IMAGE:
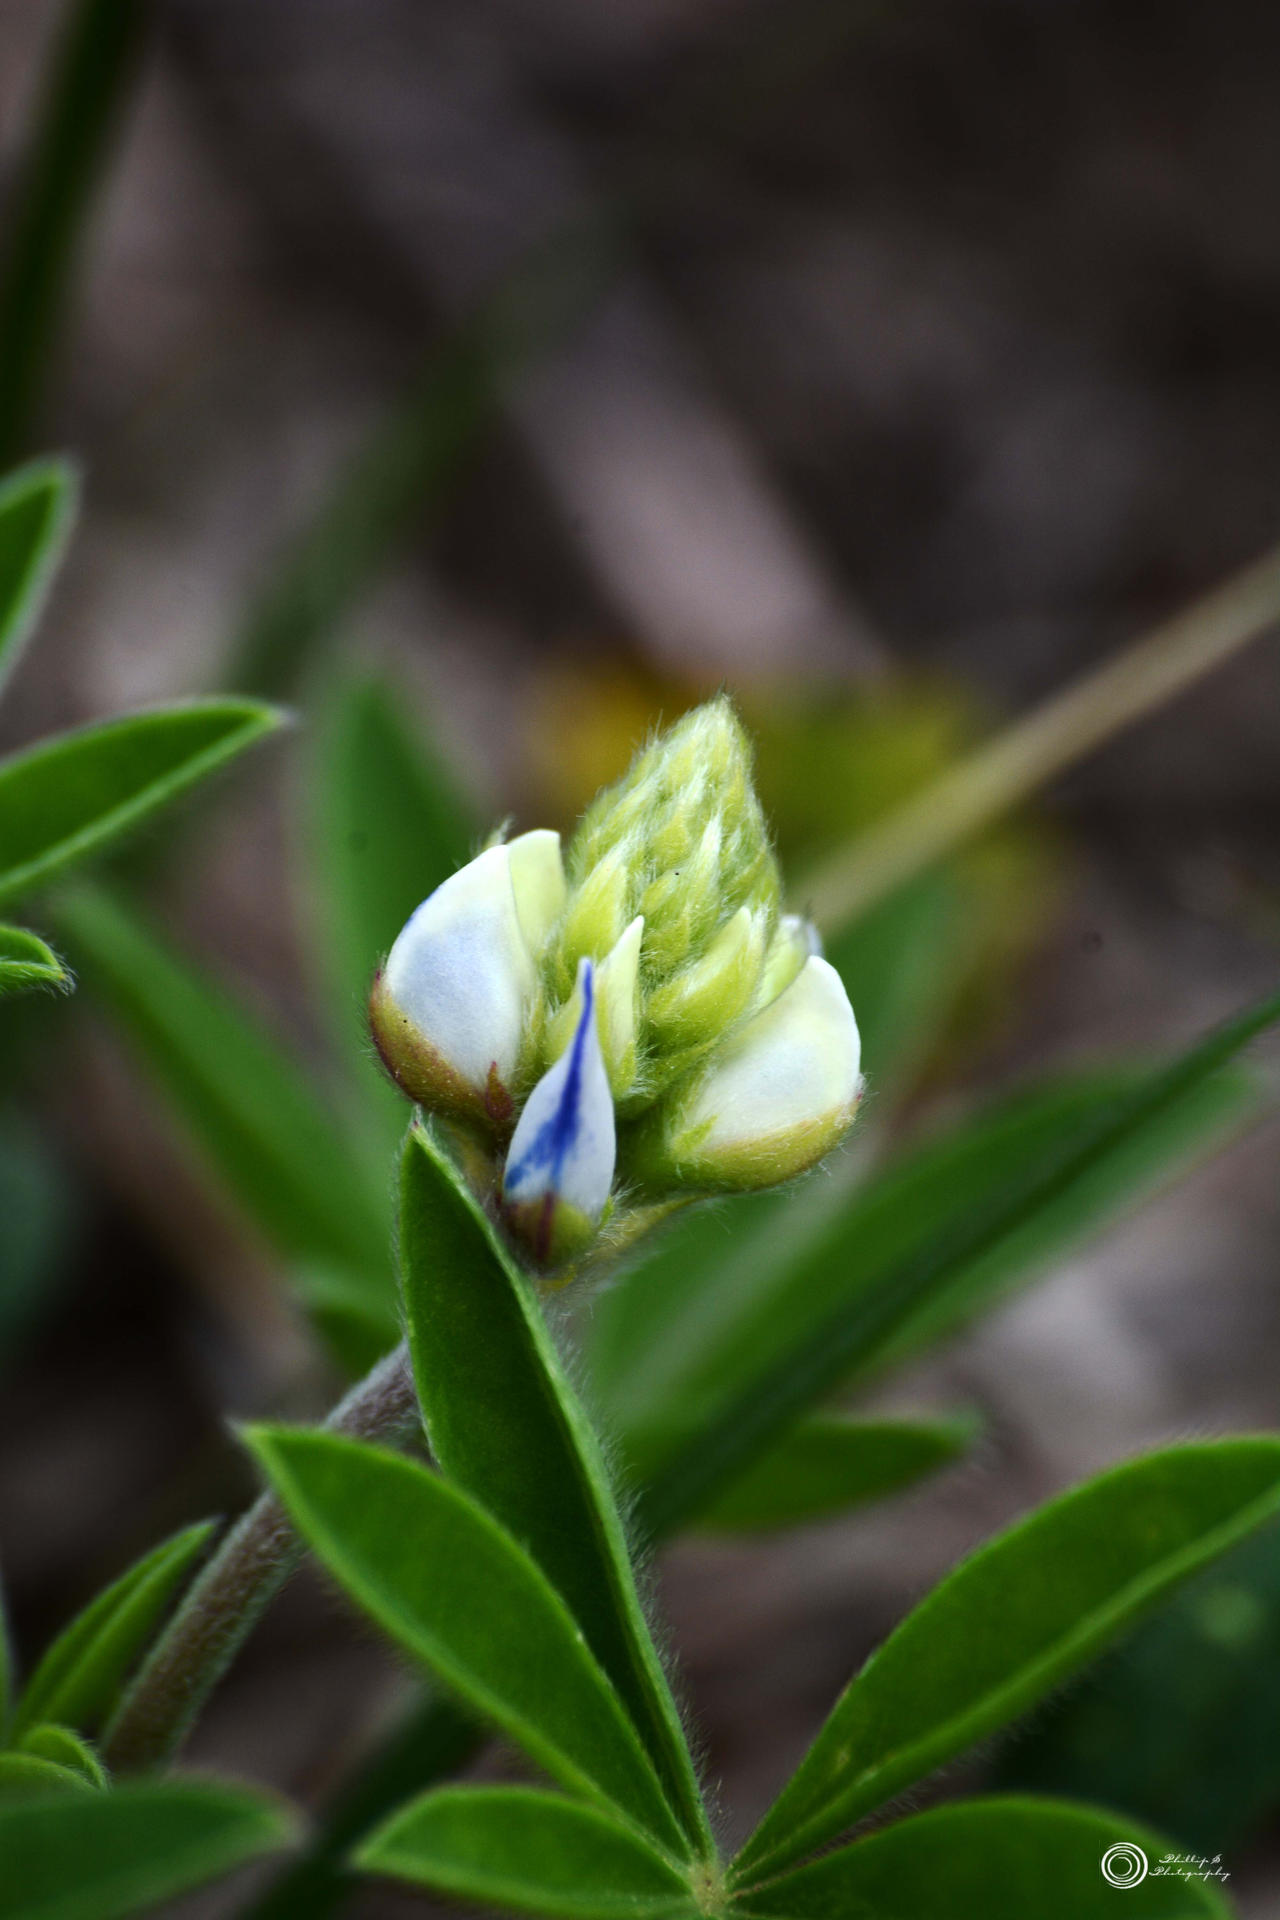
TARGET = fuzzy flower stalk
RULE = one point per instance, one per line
(630, 1024)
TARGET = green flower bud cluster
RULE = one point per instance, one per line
(639, 1019)
(675, 893)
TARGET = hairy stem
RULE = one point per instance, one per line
(252, 1564)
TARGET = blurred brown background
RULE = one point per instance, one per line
(922, 338)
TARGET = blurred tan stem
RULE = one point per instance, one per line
(244, 1576)
(1026, 755)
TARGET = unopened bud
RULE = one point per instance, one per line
(560, 1163)
(449, 1010)
(656, 979)
(767, 1106)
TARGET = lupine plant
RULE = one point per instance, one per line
(61, 801)
(622, 1060)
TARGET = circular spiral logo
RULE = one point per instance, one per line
(1124, 1865)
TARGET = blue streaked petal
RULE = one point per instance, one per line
(560, 1164)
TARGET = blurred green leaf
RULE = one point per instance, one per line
(64, 1749)
(37, 509)
(1178, 1724)
(528, 1852)
(81, 1673)
(262, 1125)
(1010, 1623)
(829, 1463)
(69, 796)
(38, 1210)
(406, 463)
(505, 1424)
(26, 1774)
(689, 1348)
(107, 1856)
(387, 826)
(411, 458)
(896, 1264)
(26, 962)
(458, 1593)
(1006, 1859)
(83, 94)
(6, 1669)
(902, 968)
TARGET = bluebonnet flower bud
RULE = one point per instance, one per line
(640, 1012)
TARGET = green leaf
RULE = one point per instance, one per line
(505, 1424)
(25, 1774)
(69, 796)
(38, 1211)
(64, 1749)
(262, 1125)
(405, 468)
(81, 96)
(27, 962)
(688, 1332)
(107, 1856)
(864, 1281)
(528, 1852)
(457, 1592)
(1009, 1859)
(1177, 1724)
(388, 825)
(830, 1463)
(37, 509)
(6, 1667)
(666, 1316)
(81, 1673)
(1013, 1621)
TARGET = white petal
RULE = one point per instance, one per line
(793, 1063)
(461, 972)
(795, 941)
(563, 1149)
(617, 989)
(779, 1097)
(618, 1006)
(537, 879)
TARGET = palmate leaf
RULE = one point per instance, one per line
(77, 1680)
(527, 1852)
(81, 1855)
(829, 1463)
(459, 1594)
(69, 796)
(37, 510)
(261, 1123)
(876, 1303)
(1010, 1623)
(27, 962)
(1009, 1859)
(504, 1423)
